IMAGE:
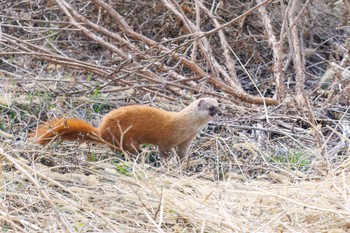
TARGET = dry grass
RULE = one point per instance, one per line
(144, 199)
(279, 168)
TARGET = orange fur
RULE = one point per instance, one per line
(126, 128)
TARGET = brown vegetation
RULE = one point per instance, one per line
(278, 161)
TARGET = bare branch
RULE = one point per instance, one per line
(277, 53)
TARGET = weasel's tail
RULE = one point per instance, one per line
(66, 129)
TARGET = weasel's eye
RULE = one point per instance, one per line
(211, 108)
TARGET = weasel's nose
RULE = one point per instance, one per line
(219, 113)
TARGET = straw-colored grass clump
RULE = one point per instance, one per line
(99, 198)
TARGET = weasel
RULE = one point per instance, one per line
(126, 128)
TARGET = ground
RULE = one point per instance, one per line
(281, 165)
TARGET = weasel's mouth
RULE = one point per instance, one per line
(213, 113)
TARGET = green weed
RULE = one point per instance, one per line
(295, 159)
(97, 107)
(123, 168)
(79, 225)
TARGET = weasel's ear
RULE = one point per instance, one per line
(201, 102)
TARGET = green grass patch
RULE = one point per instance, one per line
(296, 159)
(123, 168)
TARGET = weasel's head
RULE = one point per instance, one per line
(207, 108)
